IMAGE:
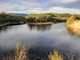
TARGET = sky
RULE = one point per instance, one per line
(40, 6)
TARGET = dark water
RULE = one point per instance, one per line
(39, 38)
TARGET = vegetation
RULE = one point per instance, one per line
(10, 18)
(73, 23)
(47, 17)
(71, 19)
(6, 18)
(55, 56)
(20, 53)
(65, 55)
(38, 18)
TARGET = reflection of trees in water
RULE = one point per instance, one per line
(4, 29)
(40, 27)
(73, 30)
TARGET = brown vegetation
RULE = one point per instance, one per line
(20, 53)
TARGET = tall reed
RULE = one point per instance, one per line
(19, 54)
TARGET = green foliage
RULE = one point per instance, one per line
(38, 18)
(8, 18)
(46, 17)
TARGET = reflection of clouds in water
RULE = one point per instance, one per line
(62, 37)
(57, 36)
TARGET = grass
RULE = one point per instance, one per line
(55, 56)
(20, 53)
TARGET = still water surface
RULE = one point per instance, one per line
(56, 35)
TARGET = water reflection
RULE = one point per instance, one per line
(73, 30)
(3, 28)
(40, 38)
(70, 30)
(39, 27)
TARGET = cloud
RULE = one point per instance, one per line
(50, 10)
(64, 10)
(68, 1)
(39, 6)
(75, 5)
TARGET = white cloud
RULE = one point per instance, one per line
(64, 10)
(35, 6)
(50, 10)
(68, 1)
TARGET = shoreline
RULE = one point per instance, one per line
(16, 23)
(9, 24)
(41, 23)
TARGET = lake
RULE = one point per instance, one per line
(39, 38)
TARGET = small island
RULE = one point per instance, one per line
(41, 23)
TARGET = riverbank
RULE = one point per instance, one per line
(41, 23)
(14, 23)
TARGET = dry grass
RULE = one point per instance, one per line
(55, 56)
(20, 53)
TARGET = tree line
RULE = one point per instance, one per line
(10, 18)
(44, 17)
(47, 17)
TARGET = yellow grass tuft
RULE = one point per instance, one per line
(55, 56)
